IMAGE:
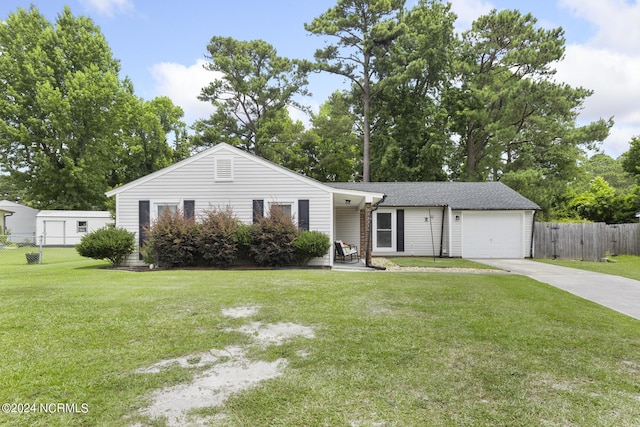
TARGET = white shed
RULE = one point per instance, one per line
(66, 228)
(20, 222)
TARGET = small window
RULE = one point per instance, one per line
(384, 231)
(82, 226)
(223, 169)
(281, 208)
(166, 208)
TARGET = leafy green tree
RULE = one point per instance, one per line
(332, 146)
(59, 94)
(612, 170)
(255, 88)
(412, 140)
(143, 145)
(601, 203)
(67, 121)
(508, 112)
(631, 159)
(364, 31)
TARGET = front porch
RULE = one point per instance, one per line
(351, 219)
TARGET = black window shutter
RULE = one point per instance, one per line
(144, 220)
(303, 215)
(190, 209)
(400, 230)
(258, 210)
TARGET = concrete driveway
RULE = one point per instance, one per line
(617, 293)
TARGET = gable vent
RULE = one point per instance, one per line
(224, 169)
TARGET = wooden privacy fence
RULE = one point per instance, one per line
(586, 242)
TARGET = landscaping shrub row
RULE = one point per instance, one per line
(221, 240)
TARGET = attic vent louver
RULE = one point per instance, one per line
(224, 169)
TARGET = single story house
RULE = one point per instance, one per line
(66, 228)
(441, 219)
(21, 223)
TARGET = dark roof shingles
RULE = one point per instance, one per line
(457, 195)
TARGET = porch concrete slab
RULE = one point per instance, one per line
(615, 292)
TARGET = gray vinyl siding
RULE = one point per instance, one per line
(251, 180)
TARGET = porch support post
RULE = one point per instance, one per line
(364, 230)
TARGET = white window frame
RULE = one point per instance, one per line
(156, 205)
(82, 228)
(394, 231)
(294, 208)
(217, 177)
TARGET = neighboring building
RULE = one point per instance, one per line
(3, 221)
(66, 228)
(21, 223)
(470, 220)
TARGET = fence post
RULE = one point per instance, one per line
(40, 255)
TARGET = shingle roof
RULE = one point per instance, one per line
(457, 195)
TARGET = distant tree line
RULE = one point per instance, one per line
(424, 104)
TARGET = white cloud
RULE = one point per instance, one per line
(183, 85)
(468, 11)
(608, 64)
(617, 22)
(109, 7)
(613, 77)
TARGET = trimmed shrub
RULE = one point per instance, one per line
(108, 243)
(218, 239)
(272, 240)
(243, 237)
(311, 244)
(172, 241)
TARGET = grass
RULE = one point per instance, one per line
(390, 348)
(437, 262)
(622, 265)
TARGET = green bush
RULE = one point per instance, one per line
(311, 244)
(172, 241)
(272, 240)
(109, 243)
(218, 240)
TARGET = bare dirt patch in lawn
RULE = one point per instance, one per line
(226, 371)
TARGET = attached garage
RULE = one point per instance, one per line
(449, 219)
(493, 234)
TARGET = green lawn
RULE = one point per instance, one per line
(396, 349)
(437, 262)
(622, 265)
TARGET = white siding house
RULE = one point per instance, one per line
(443, 219)
(21, 222)
(224, 176)
(66, 228)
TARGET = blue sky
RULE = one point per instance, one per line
(161, 45)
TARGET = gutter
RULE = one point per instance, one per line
(367, 256)
(444, 209)
(533, 229)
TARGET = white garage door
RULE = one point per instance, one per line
(492, 234)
